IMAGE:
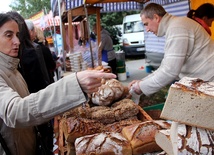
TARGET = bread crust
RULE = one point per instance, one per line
(190, 140)
(142, 136)
(107, 143)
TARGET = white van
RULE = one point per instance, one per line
(133, 35)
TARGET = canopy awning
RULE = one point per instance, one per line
(112, 1)
(107, 6)
(43, 21)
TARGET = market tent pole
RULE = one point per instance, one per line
(55, 46)
(89, 32)
(61, 30)
(70, 31)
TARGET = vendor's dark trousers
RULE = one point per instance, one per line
(113, 65)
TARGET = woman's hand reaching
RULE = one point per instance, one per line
(90, 80)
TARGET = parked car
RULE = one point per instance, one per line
(133, 35)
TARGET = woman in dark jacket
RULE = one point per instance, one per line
(48, 58)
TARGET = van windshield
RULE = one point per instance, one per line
(132, 27)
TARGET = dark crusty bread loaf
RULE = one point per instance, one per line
(119, 125)
(125, 108)
(190, 140)
(76, 127)
(142, 136)
(105, 116)
(190, 101)
(107, 143)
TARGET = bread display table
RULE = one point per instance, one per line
(107, 120)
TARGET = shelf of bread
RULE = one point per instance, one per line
(110, 123)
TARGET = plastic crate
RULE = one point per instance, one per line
(154, 107)
(154, 111)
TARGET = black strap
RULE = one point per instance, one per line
(4, 145)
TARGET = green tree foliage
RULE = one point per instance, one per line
(28, 8)
(108, 20)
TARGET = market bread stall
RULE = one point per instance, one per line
(109, 123)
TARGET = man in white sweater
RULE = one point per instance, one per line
(189, 50)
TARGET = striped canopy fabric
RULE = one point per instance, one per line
(107, 7)
(43, 21)
(111, 1)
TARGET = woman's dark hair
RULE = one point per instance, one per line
(24, 35)
(206, 9)
(4, 18)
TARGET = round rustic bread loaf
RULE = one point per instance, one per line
(108, 92)
(104, 95)
(142, 136)
(117, 87)
(107, 143)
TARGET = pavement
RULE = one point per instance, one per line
(136, 69)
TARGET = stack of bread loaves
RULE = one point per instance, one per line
(110, 124)
(89, 120)
(190, 105)
(133, 140)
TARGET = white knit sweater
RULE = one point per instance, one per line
(189, 51)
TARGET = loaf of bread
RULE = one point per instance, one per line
(190, 140)
(125, 108)
(104, 95)
(105, 116)
(76, 127)
(111, 90)
(142, 136)
(190, 101)
(80, 111)
(117, 87)
(119, 125)
(108, 143)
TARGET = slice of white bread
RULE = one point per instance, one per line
(190, 140)
(190, 101)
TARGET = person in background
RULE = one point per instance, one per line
(108, 53)
(20, 110)
(57, 61)
(188, 52)
(48, 58)
(39, 51)
(204, 15)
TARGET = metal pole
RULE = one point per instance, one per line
(89, 32)
(63, 50)
(55, 46)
